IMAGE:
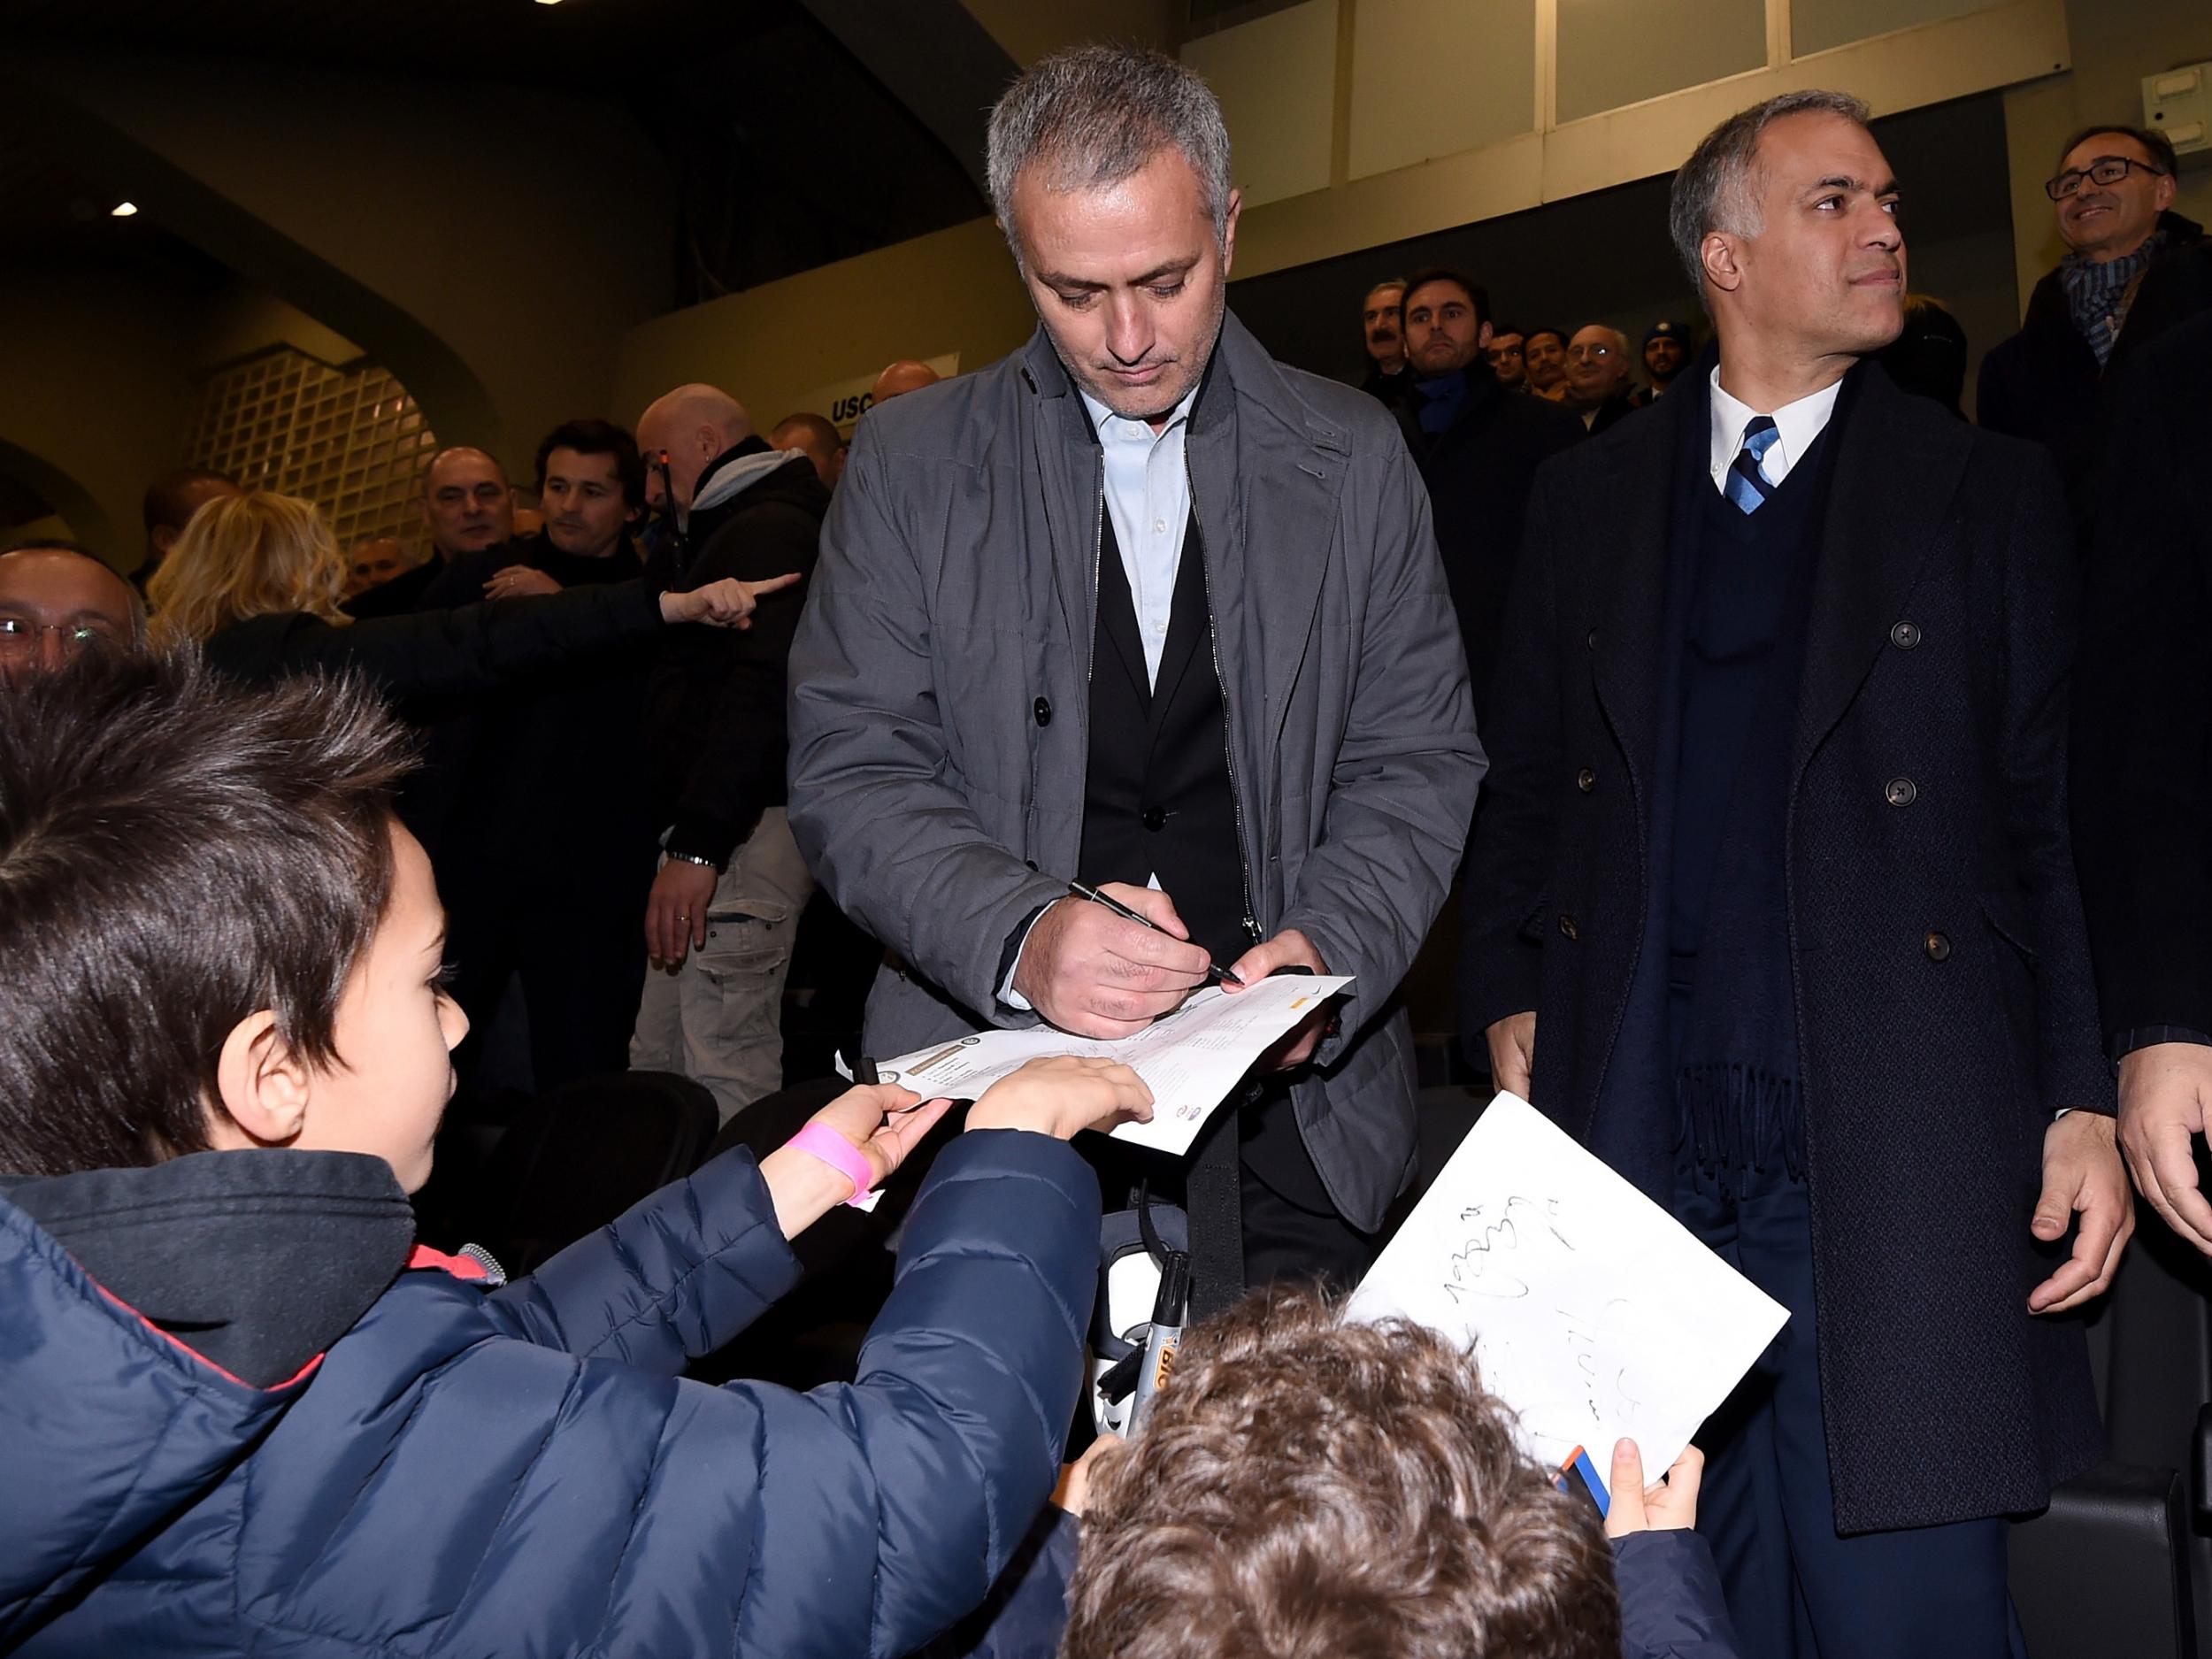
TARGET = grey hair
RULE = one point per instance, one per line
(1092, 115)
(1714, 189)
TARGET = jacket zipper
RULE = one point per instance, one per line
(1098, 552)
(1228, 726)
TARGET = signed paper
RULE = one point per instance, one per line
(1592, 1312)
(1190, 1059)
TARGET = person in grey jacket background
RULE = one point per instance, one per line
(1140, 607)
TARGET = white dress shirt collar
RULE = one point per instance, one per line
(1796, 426)
(1127, 428)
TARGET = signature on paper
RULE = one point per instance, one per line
(1483, 1265)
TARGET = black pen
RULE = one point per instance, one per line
(1214, 975)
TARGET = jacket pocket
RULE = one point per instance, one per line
(2009, 924)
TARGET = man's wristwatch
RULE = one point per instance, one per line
(693, 858)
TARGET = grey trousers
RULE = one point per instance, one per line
(716, 1017)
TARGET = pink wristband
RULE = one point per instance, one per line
(821, 1142)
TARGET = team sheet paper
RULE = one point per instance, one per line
(1592, 1312)
(1190, 1059)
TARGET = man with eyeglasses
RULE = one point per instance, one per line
(1598, 372)
(2136, 269)
(56, 599)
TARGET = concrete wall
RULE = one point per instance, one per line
(490, 250)
(94, 396)
(102, 360)
(1028, 30)
(1448, 115)
(771, 346)
(2116, 43)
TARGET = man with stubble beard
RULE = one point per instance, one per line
(549, 848)
(1112, 611)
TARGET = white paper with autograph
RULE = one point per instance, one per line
(1190, 1059)
(1592, 1312)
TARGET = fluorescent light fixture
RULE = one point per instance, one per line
(123, 210)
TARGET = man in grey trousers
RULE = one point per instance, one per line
(1139, 607)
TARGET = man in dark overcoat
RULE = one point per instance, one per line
(2142, 767)
(1772, 903)
(2134, 268)
(1477, 446)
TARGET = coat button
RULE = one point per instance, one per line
(1900, 792)
(1154, 818)
(1905, 636)
(1567, 927)
(1042, 710)
(1592, 642)
(1937, 947)
(1585, 780)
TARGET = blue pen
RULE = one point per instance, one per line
(1588, 1471)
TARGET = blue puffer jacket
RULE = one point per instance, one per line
(523, 1471)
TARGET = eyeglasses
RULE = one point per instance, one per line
(2104, 170)
(19, 635)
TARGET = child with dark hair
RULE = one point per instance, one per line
(1306, 1485)
(240, 1412)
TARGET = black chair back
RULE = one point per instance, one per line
(575, 1159)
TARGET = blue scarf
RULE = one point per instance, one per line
(2097, 294)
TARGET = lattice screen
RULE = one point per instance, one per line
(351, 440)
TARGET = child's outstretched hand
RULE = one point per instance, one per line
(881, 1123)
(884, 1122)
(1637, 1508)
(1063, 1094)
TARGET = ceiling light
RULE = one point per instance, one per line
(123, 210)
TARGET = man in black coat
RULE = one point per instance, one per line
(1772, 903)
(547, 848)
(2136, 269)
(1382, 330)
(467, 511)
(2142, 766)
(1600, 377)
(722, 910)
(1477, 446)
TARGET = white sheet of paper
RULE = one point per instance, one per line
(1190, 1060)
(1592, 1312)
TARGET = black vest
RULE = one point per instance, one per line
(1157, 800)
(1157, 796)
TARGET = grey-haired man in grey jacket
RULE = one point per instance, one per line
(1140, 607)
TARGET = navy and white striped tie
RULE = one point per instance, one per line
(1747, 484)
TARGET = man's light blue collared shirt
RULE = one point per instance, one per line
(1147, 495)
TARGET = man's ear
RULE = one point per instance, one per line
(262, 1087)
(1718, 254)
(2163, 192)
(1229, 244)
(162, 538)
(1482, 338)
